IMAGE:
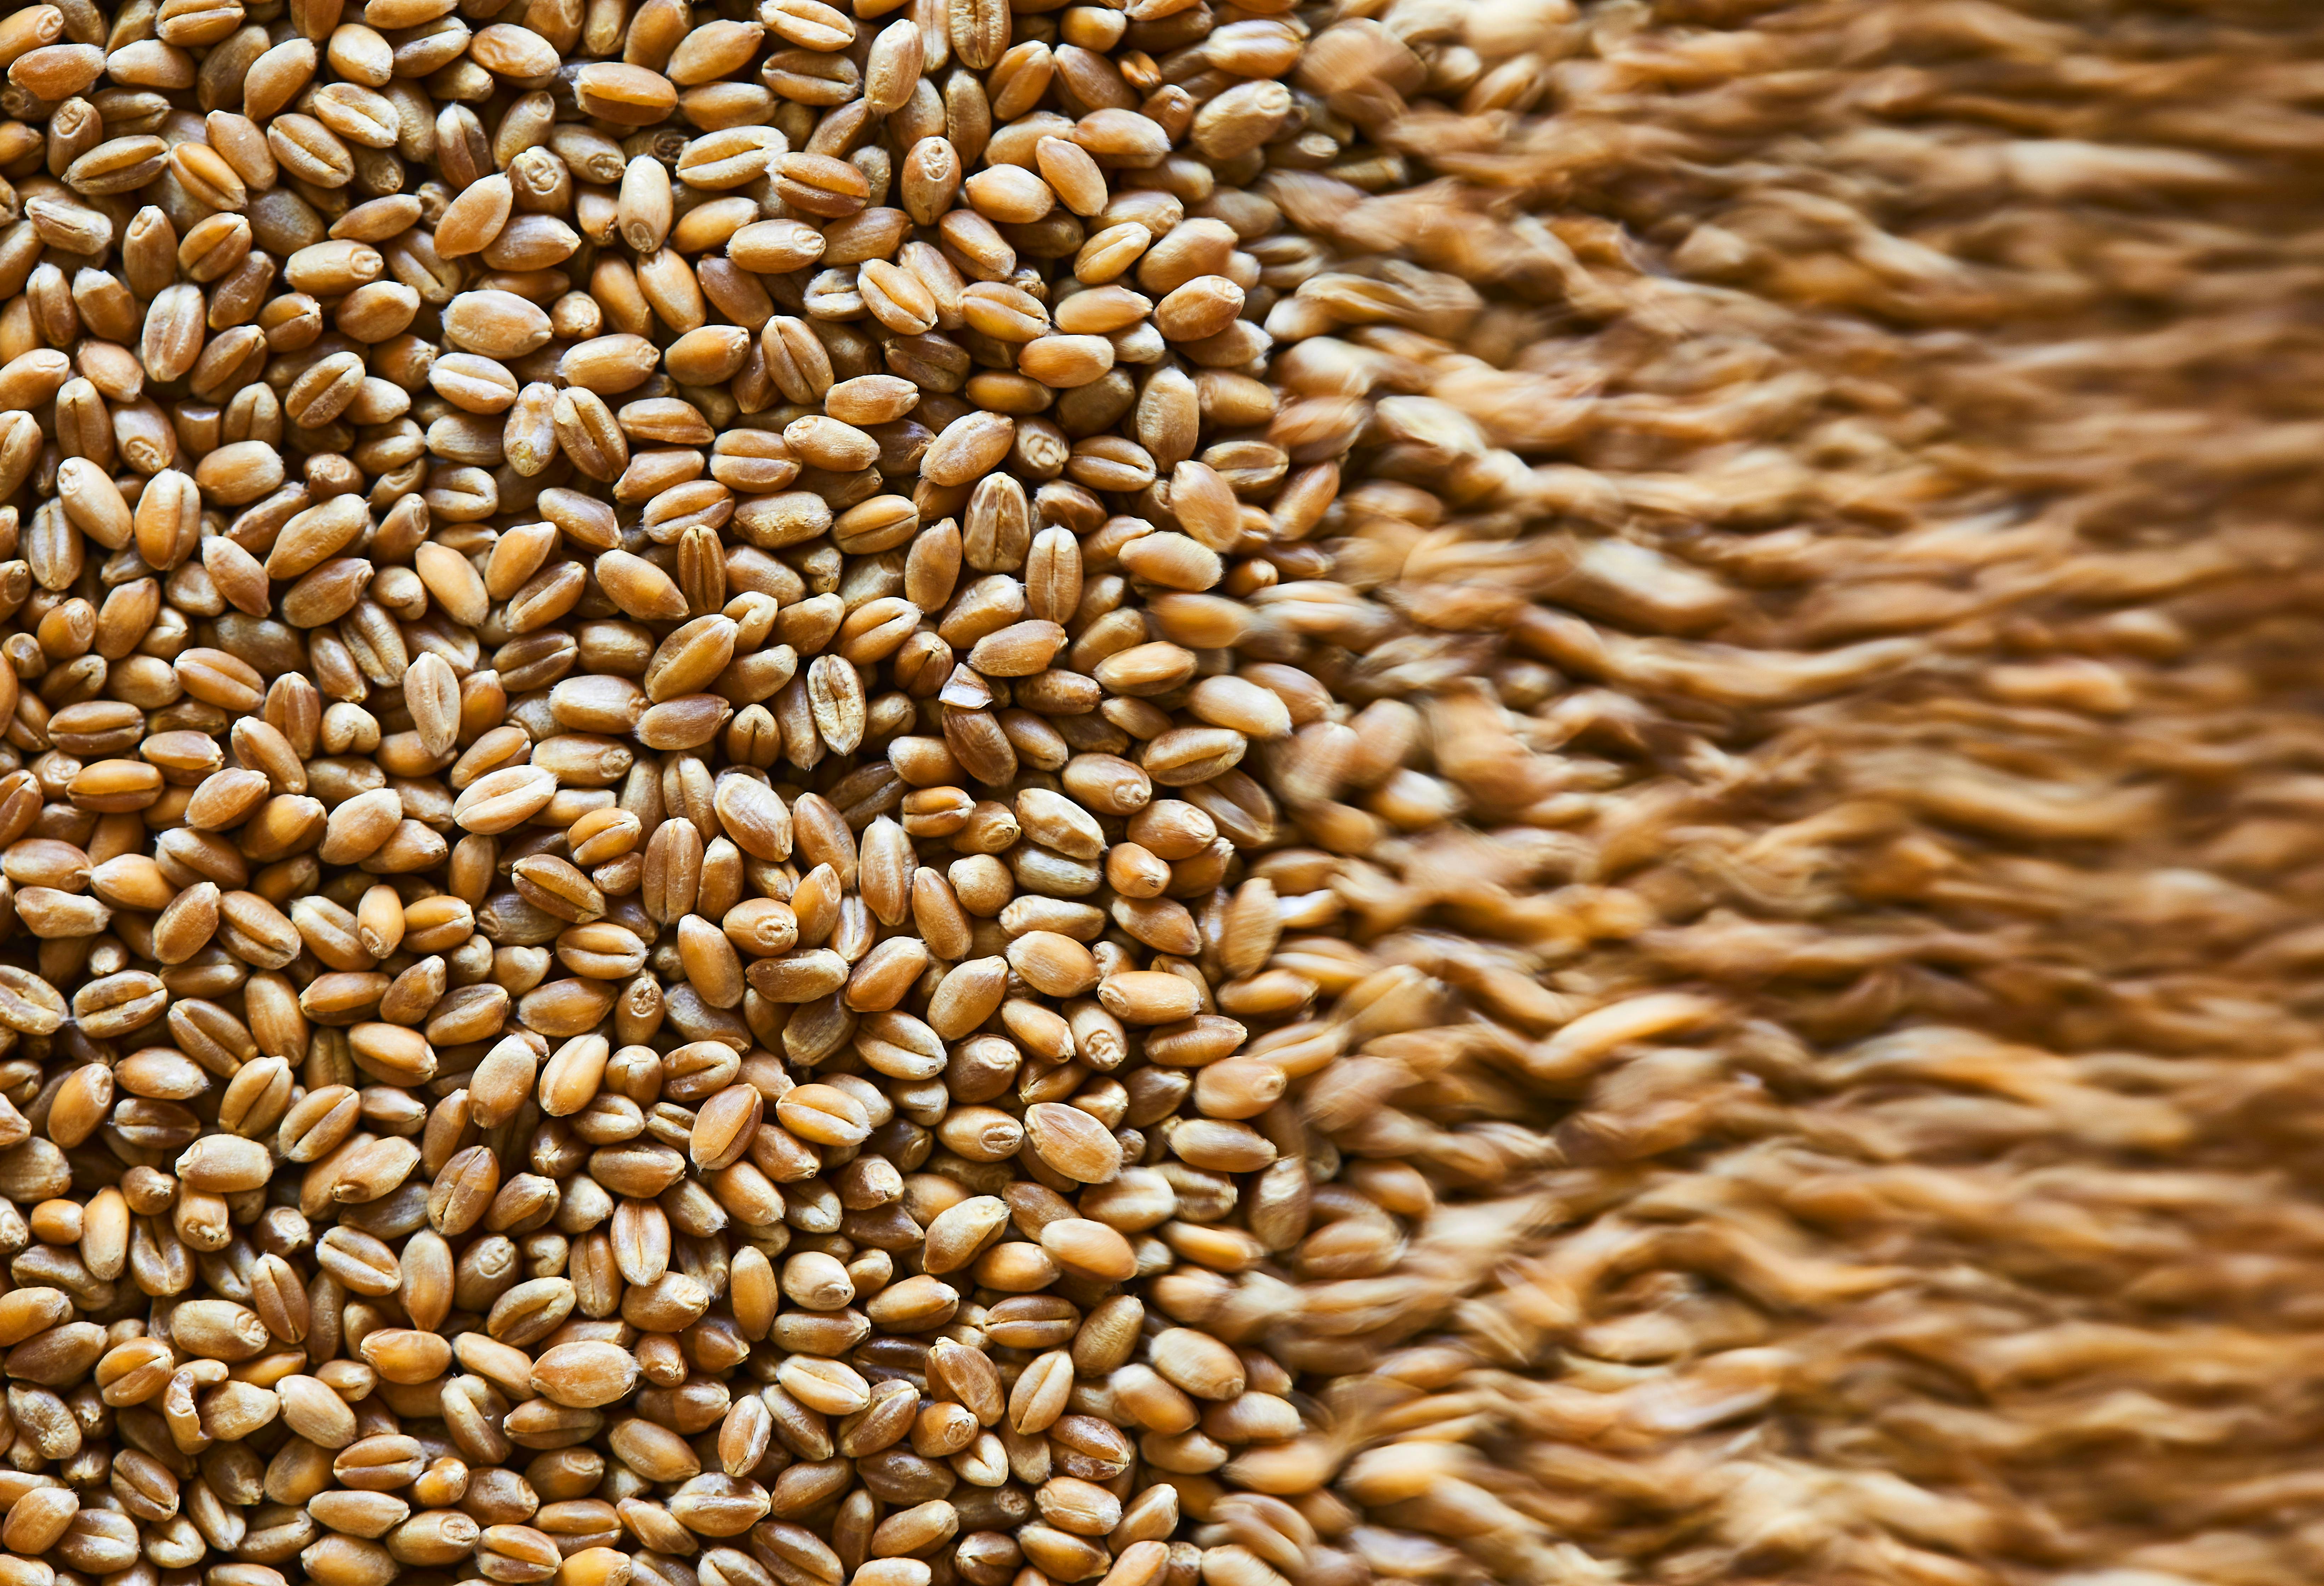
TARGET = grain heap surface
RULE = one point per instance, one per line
(904, 794)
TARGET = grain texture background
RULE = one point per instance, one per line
(1782, 1002)
(1916, 406)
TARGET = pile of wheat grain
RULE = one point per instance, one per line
(934, 791)
(1884, 1117)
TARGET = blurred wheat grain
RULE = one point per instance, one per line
(1899, 422)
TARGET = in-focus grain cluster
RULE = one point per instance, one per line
(638, 915)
